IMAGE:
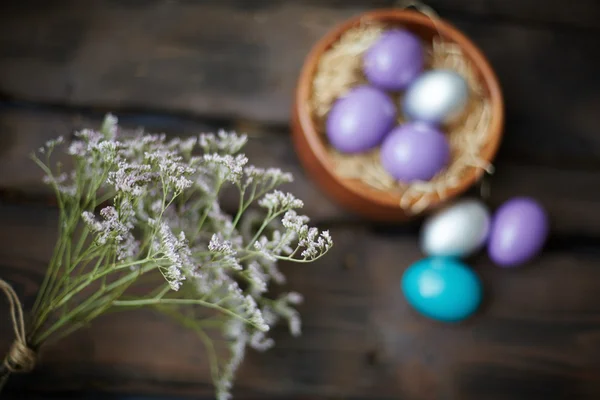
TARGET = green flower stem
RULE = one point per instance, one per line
(108, 271)
(44, 295)
(207, 209)
(79, 246)
(252, 253)
(90, 303)
(151, 302)
(64, 261)
(244, 205)
(60, 301)
(267, 221)
(42, 292)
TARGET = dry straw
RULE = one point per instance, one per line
(340, 69)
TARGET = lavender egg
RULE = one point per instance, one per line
(414, 151)
(359, 120)
(394, 61)
(519, 230)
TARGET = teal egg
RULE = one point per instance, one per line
(442, 288)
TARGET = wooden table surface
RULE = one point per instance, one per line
(183, 67)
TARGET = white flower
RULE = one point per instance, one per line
(294, 222)
(223, 142)
(254, 315)
(277, 200)
(177, 251)
(131, 178)
(228, 167)
(217, 245)
(114, 228)
(295, 324)
(187, 145)
(174, 173)
(260, 342)
(109, 127)
(258, 279)
(269, 177)
(294, 298)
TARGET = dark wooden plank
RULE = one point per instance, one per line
(241, 59)
(536, 337)
(580, 14)
(571, 194)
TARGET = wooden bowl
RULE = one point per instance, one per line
(352, 193)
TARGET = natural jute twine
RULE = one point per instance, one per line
(20, 357)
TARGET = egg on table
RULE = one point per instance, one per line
(438, 96)
(519, 230)
(394, 60)
(442, 288)
(359, 120)
(414, 151)
(457, 230)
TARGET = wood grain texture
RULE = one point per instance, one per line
(242, 60)
(580, 14)
(536, 337)
(569, 193)
(187, 66)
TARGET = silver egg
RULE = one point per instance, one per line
(457, 230)
(436, 96)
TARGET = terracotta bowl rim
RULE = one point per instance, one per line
(447, 31)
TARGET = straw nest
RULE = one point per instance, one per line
(340, 69)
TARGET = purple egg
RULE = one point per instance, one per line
(394, 61)
(414, 151)
(519, 231)
(359, 120)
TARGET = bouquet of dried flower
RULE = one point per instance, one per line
(139, 207)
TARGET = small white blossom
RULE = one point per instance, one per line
(254, 315)
(217, 245)
(258, 279)
(294, 298)
(275, 273)
(187, 145)
(55, 142)
(277, 200)
(174, 173)
(260, 246)
(259, 341)
(295, 324)
(269, 177)
(109, 127)
(177, 251)
(223, 142)
(130, 178)
(294, 222)
(228, 167)
(77, 148)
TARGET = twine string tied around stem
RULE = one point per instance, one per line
(20, 357)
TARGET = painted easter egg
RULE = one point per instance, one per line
(394, 60)
(438, 96)
(519, 230)
(358, 121)
(414, 151)
(457, 230)
(442, 288)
